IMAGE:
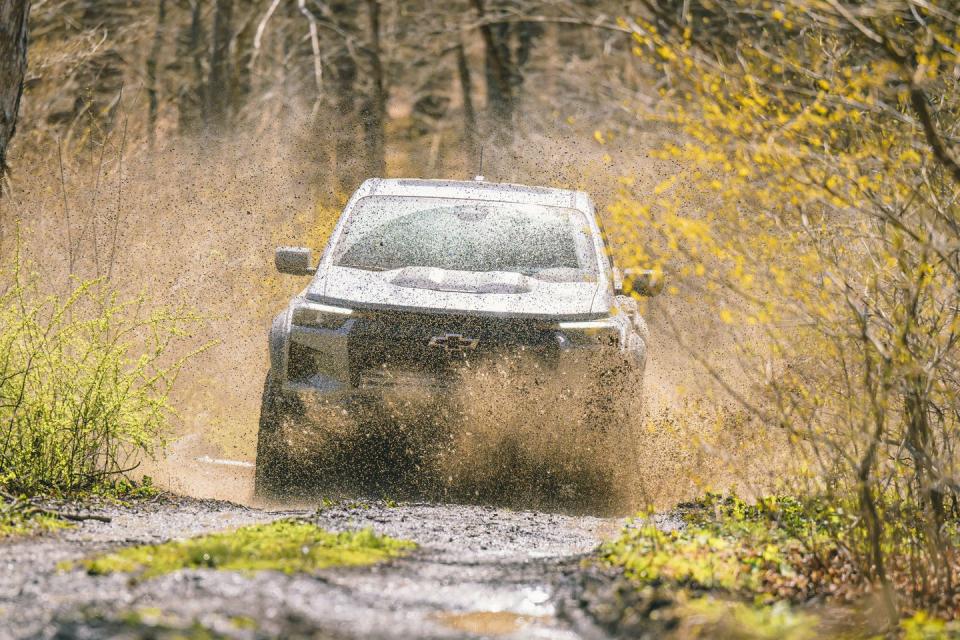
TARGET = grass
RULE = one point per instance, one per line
(762, 550)
(286, 545)
(14, 525)
(23, 516)
(710, 617)
(773, 569)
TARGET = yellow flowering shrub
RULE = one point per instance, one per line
(815, 208)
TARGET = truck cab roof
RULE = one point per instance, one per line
(477, 190)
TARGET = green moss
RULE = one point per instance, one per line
(243, 622)
(708, 617)
(17, 524)
(726, 544)
(286, 545)
(742, 564)
(922, 626)
(146, 622)
(738, 570)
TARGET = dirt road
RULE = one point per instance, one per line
(478, 572)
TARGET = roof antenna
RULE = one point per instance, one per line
(479, 177)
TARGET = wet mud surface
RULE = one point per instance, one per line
(478, 572)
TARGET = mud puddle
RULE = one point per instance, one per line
(490, 623)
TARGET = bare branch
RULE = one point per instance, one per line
(919, 102)
(315, 45)
(261, 27)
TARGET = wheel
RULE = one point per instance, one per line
(274, 475)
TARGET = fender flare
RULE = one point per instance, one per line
(278, 344)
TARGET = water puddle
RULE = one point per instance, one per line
(488, 623)
(225, 463)
(506, 614)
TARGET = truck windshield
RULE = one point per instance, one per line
(392, 232)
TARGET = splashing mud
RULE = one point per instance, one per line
(200, 226)
(502, 438)
(545, 439)
(509, 433)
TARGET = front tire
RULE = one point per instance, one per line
(274, 468)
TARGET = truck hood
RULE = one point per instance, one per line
(443, 291)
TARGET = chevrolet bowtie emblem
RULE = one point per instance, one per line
(453, 343)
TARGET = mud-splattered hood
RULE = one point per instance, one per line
(443, 291)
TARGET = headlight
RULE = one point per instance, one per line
(320, 316)
(590, 333)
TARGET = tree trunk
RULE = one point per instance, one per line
(13, 66)
(289, 69)
(527, 34)
(345, 78)
(100, 76)
(469, 115)
(243, 54)
(498, 75)
(192, 107)
(152, 60)
(374, 111)
(218, 88)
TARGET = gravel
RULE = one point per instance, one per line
(478, 572)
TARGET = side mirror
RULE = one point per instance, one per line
(643, 282)
(294, 260)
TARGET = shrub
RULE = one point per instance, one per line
(84, 381)
(778, 548)
(828, 243)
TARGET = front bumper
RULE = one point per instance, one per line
(386, 357)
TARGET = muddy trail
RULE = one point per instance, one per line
(477, 572)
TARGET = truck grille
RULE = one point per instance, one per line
(385, 346)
